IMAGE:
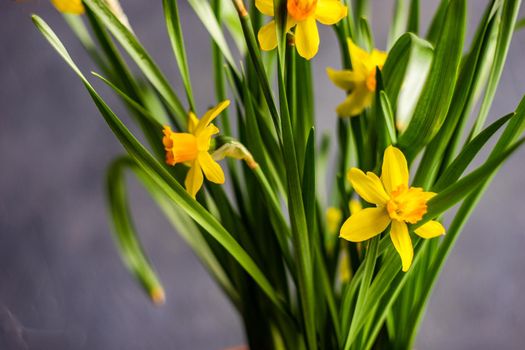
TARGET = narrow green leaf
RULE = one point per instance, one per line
(309, 182)
(404, 73)
(437, 22)
(399, 19)
(171, 14)
(436, 96)
(459, 190)
(143, 111)
(137, 52)
(520, 24)
(506, 30)
(203, 10)
(78, 27)
(413, 17)
(462, 161)
(369, 263)
(470, 80)
(126, 237)
(367, 37)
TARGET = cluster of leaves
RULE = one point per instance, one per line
(279, 267)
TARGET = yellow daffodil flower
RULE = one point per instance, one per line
(360, 82)
(396, 205)
(192, 149)
(302, 14)
(74, 7)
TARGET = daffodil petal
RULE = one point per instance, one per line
(344, 79)
(74, 7)
(307, 38)
(368, 186)
(402, 243)
(210, 115)
(395, 169)
(193, 121)
(330, 12)
(430, 230)
(355, 103)
(365, 224)
(204, 137)
(268, 36)
(212, 170)
(357, 54)
(378, 58)
(265, 7)
(194, 178)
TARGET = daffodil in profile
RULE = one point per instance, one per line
(303, 15)
(360, 81)
(396, 204)
(192, 148)
(74, 7)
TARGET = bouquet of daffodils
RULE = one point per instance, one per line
(350, 270)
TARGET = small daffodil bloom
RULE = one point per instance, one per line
(396, 204)
(192, 149)
(74, 7)
(360, 81)
(303, 15)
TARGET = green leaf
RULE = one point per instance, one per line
(124, 231)
(232, 23)
(164, 179)
(78, 27)
(404, 73)
(137, 52)
(413, 17)
(141, 110)
(459, 190)
(437, 22)
(520, 24)
(506, 30)
(434, 102)
(205, 13)
(470, 80)
(362, 297)
(462, 161)
(309, 182)
(399, 19)
(386, 130)
(171, 14)
(367, 37)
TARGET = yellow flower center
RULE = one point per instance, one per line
(180, 147)
(407, 204)
(301, 9)
(371, 81)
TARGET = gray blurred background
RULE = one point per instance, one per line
(62, 285)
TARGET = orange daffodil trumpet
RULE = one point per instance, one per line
(192, 148)
(74, 7)
(303, 15)
(397, 204)
(360, 81)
